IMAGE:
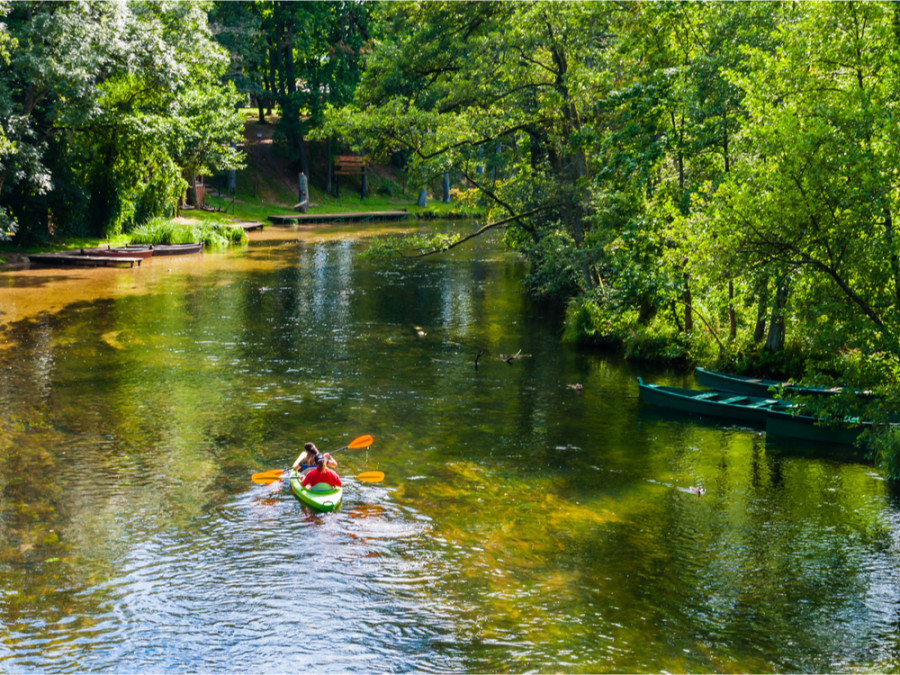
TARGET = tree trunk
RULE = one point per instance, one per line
(686, 297)
(304, 154)
(266, 97)
(895, 260)
(732, 321)
(572, 166)
(329, 166)
(762, 308)
(775, 339)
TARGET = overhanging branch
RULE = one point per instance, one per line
(482, 230)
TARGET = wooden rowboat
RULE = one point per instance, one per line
(170, 249)
(808, 429)
(118, 252)
(753, 409)
(755, 386)
(778, 417)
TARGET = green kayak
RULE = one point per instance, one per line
(321, 496)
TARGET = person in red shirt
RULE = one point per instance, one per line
(321, 474)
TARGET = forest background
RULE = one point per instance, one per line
(698, 183)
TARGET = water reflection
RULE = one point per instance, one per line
(523, 524)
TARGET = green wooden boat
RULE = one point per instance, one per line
(752, 409)
(755, 386)
(321, 496)
(807, 428)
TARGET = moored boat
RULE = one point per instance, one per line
(118, 252)
(755, 386)
(321, 497)
(807, 428)
(170, 249)
(751, 409)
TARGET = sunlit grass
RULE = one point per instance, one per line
(214, 233)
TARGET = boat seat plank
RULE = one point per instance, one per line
(735, 399)
(708, 394)
(763, 403)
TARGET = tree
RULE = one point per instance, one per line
(502, 94)
(302, 56)
(111, 104)
(813, 201)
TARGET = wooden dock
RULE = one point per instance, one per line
(65, 259)
(358, 217)
(250, 226)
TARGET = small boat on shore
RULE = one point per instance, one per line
(118, 252)
(755, 386)
(321, 497)
(170, 249)
(753, 409)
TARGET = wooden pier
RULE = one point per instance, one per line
(250, 226)
(358, 217)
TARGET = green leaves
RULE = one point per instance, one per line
(111, 104)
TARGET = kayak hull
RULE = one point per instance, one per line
(321, 497)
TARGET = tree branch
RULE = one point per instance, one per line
(481, 231)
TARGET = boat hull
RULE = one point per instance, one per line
(804, 427)
(120, 252)
(750, 409)
(170, 249)
(754, 386)
(321, 497)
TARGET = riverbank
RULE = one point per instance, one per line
(243, 211)
(267, 186)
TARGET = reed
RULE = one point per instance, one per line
(214, 234)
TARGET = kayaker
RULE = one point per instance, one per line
(307, 458)
(321, 474)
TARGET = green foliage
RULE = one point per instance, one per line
(410, 245)
(588, 323)
(554, 271)
(884, 449)
(300, 56)
(111, 107)
(214, 234)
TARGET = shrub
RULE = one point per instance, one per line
(589, 323)
(214, 234)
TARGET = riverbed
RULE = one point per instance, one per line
(534, 515)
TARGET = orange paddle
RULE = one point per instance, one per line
(266, 477)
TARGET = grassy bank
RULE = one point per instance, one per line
(266, 186)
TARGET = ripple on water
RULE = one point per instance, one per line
(293, 589)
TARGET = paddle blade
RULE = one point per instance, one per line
(361, 442)
(371, 477)
(266, 477)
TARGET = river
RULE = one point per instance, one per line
(524, 523)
